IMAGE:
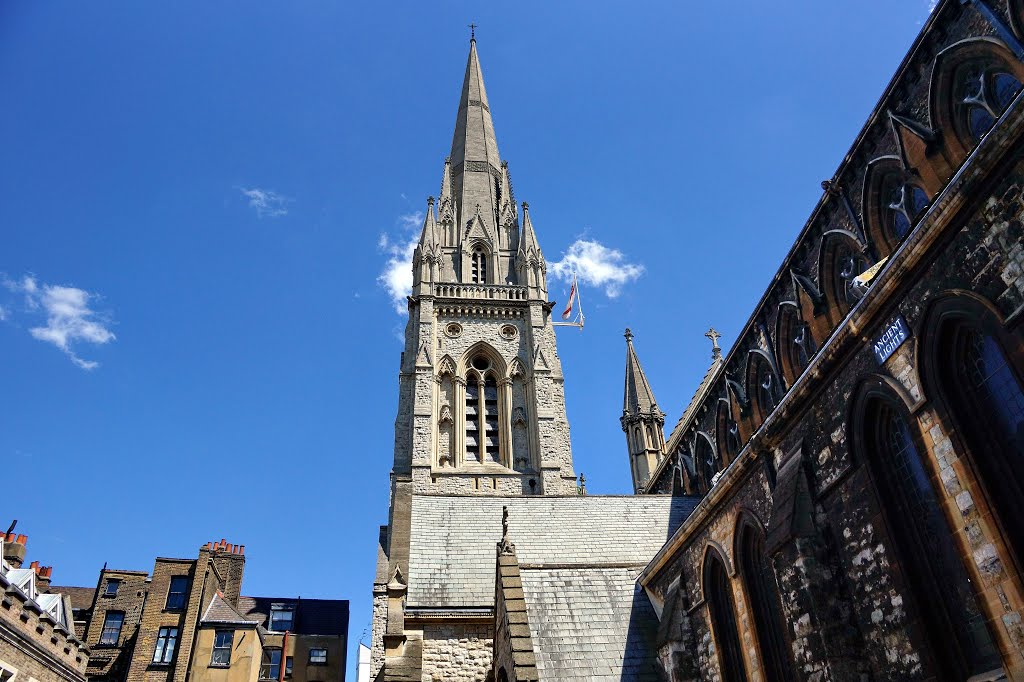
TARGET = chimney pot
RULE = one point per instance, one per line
(231, 548)
(241, 549)
(34, 566)
(22, 540)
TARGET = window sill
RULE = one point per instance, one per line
(222, 666)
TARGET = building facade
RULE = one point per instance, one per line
(839, 500)
(38, 642)
(859, 449)
(187, 620)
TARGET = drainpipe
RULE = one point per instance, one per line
(284, 658)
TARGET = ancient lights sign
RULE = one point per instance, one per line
(892, 337)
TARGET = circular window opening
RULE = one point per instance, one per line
(481, 363)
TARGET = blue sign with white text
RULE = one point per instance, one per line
(891, 338)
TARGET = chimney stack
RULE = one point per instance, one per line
(14, 549)
(43, 574)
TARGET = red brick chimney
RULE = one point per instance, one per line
(14, 549)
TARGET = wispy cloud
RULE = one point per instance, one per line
(267, 202)
(396, 277)
(597, 265)
(70, 320)
(931, 5)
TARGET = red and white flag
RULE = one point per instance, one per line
(572, 300)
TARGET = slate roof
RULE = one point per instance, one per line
(81, 597)
(312, 616)
(591, 624)
(452, 546)
(220, 611)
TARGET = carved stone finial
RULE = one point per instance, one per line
(505, 547)
(583, 484)
(629, 334)
(526, 206)
(430, 201)
(716, 352)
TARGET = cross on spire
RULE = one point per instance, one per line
(716, 352)
(472, 32)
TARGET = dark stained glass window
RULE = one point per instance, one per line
(718, 595)
(763, 591)
(934, 569)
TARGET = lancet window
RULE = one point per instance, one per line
(478, 269)
(482, 422)
(722, 609)
(935, 573)
(985, 392)
(482, 412)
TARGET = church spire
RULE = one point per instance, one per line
(530, 266)
(475, 161)
(642, 421)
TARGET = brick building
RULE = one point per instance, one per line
(187, 620)
(38, 642)
(839, 500)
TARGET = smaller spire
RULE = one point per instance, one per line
(428, 238)
(528, 240)
(638, 398)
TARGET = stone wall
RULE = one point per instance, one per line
(848, 599)
(454, 652)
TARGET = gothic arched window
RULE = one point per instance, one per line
(479, 265)
(763, 385)
(482, 422)
(986, 397)
(983, 90)
(763, 592)
(794, 343)
(904, 204)
(932, 567)
(727, 434)
(718, 596)
(705, 463)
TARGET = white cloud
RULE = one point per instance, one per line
(396, 277)
(597, 265)
(268, 203)
(3, 314)
(69, 319)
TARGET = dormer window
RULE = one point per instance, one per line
(479, 265)
(282, 617)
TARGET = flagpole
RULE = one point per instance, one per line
(574, 290)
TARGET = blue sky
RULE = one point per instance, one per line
(199, 202)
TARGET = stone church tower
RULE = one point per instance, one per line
(481, 406)
(481, 403)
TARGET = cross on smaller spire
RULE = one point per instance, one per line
(472, 32)
(716, 352)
